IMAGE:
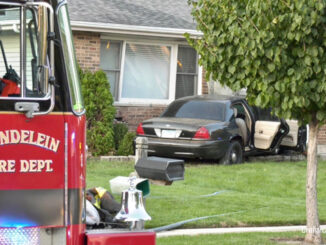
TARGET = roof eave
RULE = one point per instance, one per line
(133, 30)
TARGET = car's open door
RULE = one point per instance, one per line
(296, 138)
(269, 130)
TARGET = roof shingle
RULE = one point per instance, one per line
(152, 13)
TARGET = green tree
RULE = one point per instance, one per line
(100, 112)
(276, 50)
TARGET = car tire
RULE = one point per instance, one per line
(233, 155)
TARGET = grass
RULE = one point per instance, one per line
(251, 194)
(237, 238)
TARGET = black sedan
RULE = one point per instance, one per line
(218, 127)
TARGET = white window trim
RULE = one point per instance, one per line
(122, 68)
(200, 80)
(172, 78)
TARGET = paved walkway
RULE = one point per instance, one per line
(194, 232)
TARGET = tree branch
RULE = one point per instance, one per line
(252, 23)
(287, 5)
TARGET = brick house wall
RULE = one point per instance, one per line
(134, 115)
(322, 135)
(322, 141)
(88, 47)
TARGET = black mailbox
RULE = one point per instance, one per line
(158, 168)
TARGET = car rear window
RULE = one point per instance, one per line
(210, 110)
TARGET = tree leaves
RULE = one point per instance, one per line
(231, 69)
(271, 67)
(274, 49)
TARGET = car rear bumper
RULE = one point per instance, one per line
(187, 148)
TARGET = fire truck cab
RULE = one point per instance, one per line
(42, 131)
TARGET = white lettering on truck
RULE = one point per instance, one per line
(26, 166)
(29, 137)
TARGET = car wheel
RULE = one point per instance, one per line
(233, 155)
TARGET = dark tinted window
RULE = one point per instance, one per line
(196, 109)
(264, 114)
(241, 113)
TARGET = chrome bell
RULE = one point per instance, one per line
(132, 207)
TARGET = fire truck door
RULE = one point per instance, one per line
(32, 146)
(32, 170)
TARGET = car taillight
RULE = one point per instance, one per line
(140, 130)
(202, 133)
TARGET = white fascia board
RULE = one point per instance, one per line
(133, 30)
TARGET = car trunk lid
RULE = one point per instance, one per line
(166, 127)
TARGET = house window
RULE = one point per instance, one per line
(186, 82)
(110, 63)
(146, 72)
(143, 72)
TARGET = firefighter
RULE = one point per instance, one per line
(104, 202)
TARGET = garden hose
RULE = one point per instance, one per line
(180, 223)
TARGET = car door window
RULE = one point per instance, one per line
(243, 121)
(243, 113)
(264, 114)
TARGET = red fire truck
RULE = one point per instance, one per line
(42, 132)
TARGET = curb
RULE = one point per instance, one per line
(113, 158)
(196, 232)
(267, 158)
(277, 158)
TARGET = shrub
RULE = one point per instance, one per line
(100, 112)
(120, 129)
(126, 147)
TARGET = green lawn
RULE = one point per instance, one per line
(239, 239)
(251, 194)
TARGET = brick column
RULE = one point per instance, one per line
(322, 142)
(204, 83)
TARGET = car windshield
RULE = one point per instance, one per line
(210, 110)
